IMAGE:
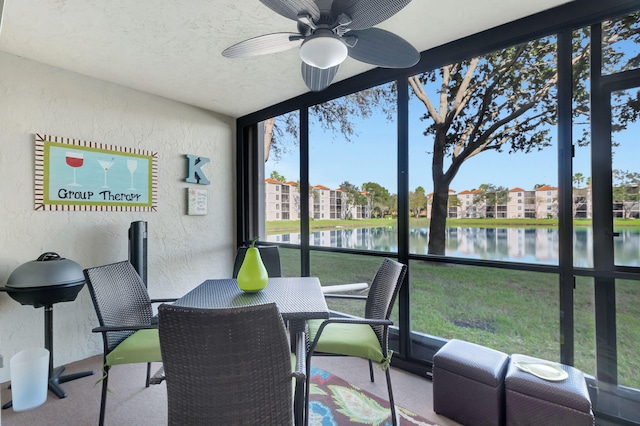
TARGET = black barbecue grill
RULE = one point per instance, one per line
(42, 282)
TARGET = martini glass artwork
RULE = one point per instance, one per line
(74, 160)
(132, 165)
(106, 165)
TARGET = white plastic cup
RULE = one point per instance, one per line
(29, 371)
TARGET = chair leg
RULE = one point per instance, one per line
(103, 399)
(148, 374)
(392, 404)
(298, 400)
(307, 390)
(371, 371)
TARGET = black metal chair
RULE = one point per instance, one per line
(229, 366)
(270, 258)
(124, 309)
(366, 337)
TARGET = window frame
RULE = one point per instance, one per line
(560, 21)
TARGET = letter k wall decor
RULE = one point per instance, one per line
(194, 169)
(80, 175)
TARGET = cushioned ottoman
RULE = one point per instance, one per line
(531, 400)
(468, 383)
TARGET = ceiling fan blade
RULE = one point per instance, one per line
(367, 13)
(292, 8)
(318, 79)
(382, 48)
(264, 44)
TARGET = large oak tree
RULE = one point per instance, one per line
(504, 101)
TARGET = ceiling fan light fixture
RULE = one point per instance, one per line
(323, 50)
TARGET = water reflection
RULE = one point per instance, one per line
(531, 245)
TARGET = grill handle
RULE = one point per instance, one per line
(49, 256)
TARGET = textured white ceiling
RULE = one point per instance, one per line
(171, 48)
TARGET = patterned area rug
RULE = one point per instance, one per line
(335, 402)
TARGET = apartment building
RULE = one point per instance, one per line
(469, 208)
(521, 203)
(282, 202)
(538, 203)
(546, 202)
(321, 196)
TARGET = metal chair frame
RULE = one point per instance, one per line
(123, 307)
(379, 303)
(229, 366)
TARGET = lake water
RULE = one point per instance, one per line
(531, 245)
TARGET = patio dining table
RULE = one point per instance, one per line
(298, 298)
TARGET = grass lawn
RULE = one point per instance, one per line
(293, 226)
(512, 311)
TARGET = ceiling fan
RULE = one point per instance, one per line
(328, 32)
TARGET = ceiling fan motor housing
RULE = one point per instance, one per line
(323, 49)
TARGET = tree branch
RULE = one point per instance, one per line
(418, 90)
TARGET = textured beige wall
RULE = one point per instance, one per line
(182, 250)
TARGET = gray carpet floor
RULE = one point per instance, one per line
(130, 403)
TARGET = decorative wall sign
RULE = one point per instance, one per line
(79, 175)
(196, 201)
(194, 169)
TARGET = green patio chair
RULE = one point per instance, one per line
(366, 337)
(124, 309)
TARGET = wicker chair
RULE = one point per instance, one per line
(124, 310)
(366, 337)
(270, 258)
(229, 366)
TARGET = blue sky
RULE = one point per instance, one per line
(371, 156)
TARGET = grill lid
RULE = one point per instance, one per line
(48, 270)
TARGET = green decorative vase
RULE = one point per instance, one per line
(252, 276)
